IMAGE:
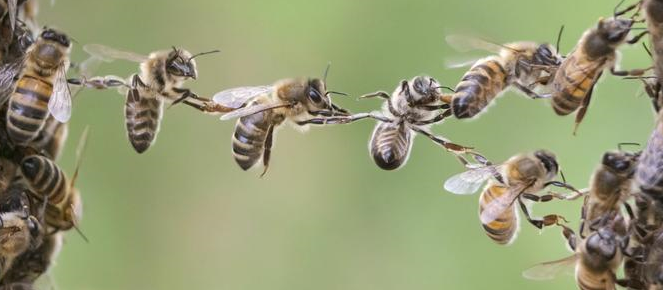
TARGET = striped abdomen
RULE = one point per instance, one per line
(503, 229)
(28, 109)
(654, 16)
(649, 171)
(478, 87)
(573, 80)
(45, 179)
(51, 138)
(589, 280)
(248, 141)
(390, 145)
(143, 117)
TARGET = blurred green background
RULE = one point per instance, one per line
(184, 216)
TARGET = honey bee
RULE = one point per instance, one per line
(610, 186)
(412, 108)
(51, 139)
(525, 66)
(29, 266)
(574, 81)
(162, 75)
(654, 19)
(41, 88)
(596, 258)
(19, 231)
(262, 109)
(649, 171)
(518, 179)
(50, 185)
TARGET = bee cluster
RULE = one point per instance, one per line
(623, 206)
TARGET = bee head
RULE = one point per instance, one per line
(547, 55)
(548, 160)
(602, 243)
(180, 63)
(33, 226)
(424, 90)
(316, 92)
(620, 162)
(56, 36)
(614, 30)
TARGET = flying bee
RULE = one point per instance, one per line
(19, 231)
(262, 109)
(162, 75)
(525, 66)
(596, 258)
(412, 108)
(574, 81)
(29, 266)
(50, 185)
(41, 88)
(518, 179)
(610, 186)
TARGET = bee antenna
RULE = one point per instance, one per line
(79, 152)
(74, 40)
(619, 145)
(614, 12)
(324, 76)
(561, 173)
(81, 233)
(644, 45)
(204, 53)
(447, 88)
(336, 93)
(559, 38)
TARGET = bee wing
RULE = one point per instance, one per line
(11, 10)
(8, 73)
(497, 206)
(462, 62)
(60, 103)
(109, 54)
(238, 97)
(250, 110)
(470, 181)
(550, 270)
(465, 43)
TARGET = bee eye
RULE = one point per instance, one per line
(314, 95)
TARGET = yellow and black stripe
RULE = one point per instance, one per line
(28, 108)
(503, 229)
(390, 145)
(478, 87)
(45, 179)
(248, 142)
(51, 138)
(143, 117)
(573, 81)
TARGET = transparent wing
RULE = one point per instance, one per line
(462, 61)
(497, 206)
(237, 97)
(60, 103)
(89, 66)
(8, 74)
(109, 54)
(465, 43)
(550, 270)
(250, 110)
(470, 181)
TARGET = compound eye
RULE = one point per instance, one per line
(314, 95)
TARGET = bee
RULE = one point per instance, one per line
(162, 75)
(517, 180)
(41, 88)
(29, 266)
(8, 19)
(610, 186)
(654, 18)
(412, 108)
(596, 51)
(649, 171)
(50, 185)
(19, 231)
(596, 258)
(51, 139)
(261, 109)
(524, 65)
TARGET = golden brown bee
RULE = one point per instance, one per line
(19, 231)
(51, 139)
(516, 181)
(29, 266)
(596, 259)
(262, 109)
(596, 51)
(41, 89)
(610, 186)
(525, 66)
(412, 108)
(162, 75)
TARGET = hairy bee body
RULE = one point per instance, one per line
(600, 255)
(50, 140)
(48, 181)
(19, 231)
(251, 132)
(478, 87)
(649, 172)
(654, 16)
(31, 265)
(502, 230)
(28, 104)
(391, 144)
(143, 119)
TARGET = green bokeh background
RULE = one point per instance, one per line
(184, 216)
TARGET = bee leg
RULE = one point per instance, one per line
(268, 150)
(435, 108)
(627, 9)
(583, 107)
(633, 72)
(529, 92)
(455, 148)
(547, 220)
(636, 38)
(334, 120)
(569, 236)
(339, 109)
(436, 119)
(379, 94)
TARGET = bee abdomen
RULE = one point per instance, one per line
(591, 281)
(570, 91)
(143, 116)
(28, 109)
(478, 87)
(45, 178)
(51, 138)
(503, 229)
(248, 141)
(390, 145)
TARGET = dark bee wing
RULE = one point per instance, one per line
(8, 74)
(59, 104)
(497, 206)
(649, 173)
(550, 270)
(238, 97)
(470, 181)
(252, 109)
(109, 54)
